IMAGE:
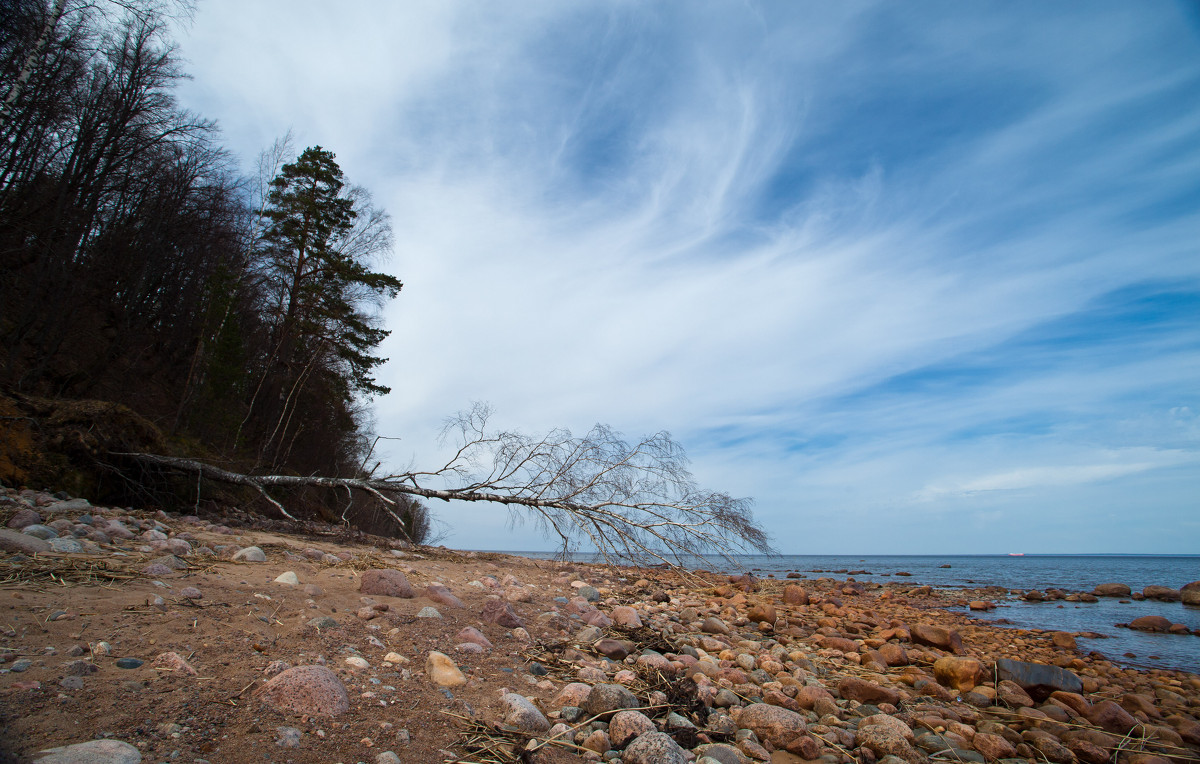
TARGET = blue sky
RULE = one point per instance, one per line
(918, 277)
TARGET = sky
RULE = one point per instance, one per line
(920, 278)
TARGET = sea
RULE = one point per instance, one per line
(1019, 573)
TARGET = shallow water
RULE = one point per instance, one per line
(1069, 572)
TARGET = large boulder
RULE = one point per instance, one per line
(1110, 717)
(1112, 590)
(1190, 593)
(1038, 679)
(1150, 623)
(773, 724)
(520, 712)
(654, 748)
(606, 699)
(627, 725)
(385, 582)
(794, 594)
(886, 735)
(1161, 593)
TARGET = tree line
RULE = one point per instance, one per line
(138, 266)
(240, 315)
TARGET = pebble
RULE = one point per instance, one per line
(289, 578)
(250, 554)
(443, 671)
(129, 663)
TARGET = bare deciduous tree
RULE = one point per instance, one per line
(629, 502)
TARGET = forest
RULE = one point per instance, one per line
(174, 332)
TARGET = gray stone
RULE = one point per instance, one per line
(23, 518)
(71, 505)
(92, 752)
(654, 748)
(520, 712)
(250, 554)
(387, 757)
(289, 737)
(66, 546)
(322, 622)
(589, 593)
(627, 725)
(43, 532)
(15, 541)
(721, 753)
(428, 612)
(606, 699)
(1038, 679)
(20, 665)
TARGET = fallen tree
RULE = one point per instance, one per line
(631, 503)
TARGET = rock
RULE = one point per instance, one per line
(993, 746)
(762, 612)
(937, 636)
(385, 582)
(473, 635)
(156, 569)
(887, 736)
(863, 691)
(606, 699)
(772, 724)
(894, 654)
(129, 663)
(312, 690)
(1063, 640)
(960, 673)
(69, 505)
(521, 713)
(713, 625)
(43, 532)
(443, 671)
(501, 613)
(627, 725)
(289, 578)
(289, 737)
(387, 757)
(589, 593)
(572, 694)
(1161, 593)
(654, 748)
(1011, 694)
(92, 752)
(1190, 593)
(1038, 679)
(15, 541)
(1150, 623)
(615, 649)
(190, 593)
(250, 554)
(808, 696)
(357, 663)
(597, 741)
(623, 615)
(322, 622)
(66, 546)
(428, 612)
(719, 753)
(443, 596)
(23, 518)
(1110, 717)
(173, 662)
(980, 605)
(1111, 590)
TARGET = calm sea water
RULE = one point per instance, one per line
(1069, 572)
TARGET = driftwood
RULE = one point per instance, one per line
(630, 503)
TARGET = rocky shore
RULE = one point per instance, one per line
(129, 636)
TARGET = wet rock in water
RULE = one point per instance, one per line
(15, 541)
(250, 554)
(1111, 590)
(654, 748)
(312, 690)
(772, 724)
(92, 752)
(863, 691)
(627, 725)
(1038, 679)
(1161, 593)
(385, 582)
(443, 596)
(1190, 593)
(443, 671)
(1150, 623)
(521, 713)
(501, 613)
(937, 636)
(606, 699)
(886, 735)
(963, 674)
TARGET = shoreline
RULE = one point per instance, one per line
(519, 649)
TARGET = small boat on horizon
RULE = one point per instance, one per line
(1016, 554)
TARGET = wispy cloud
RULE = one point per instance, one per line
(848, 255)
